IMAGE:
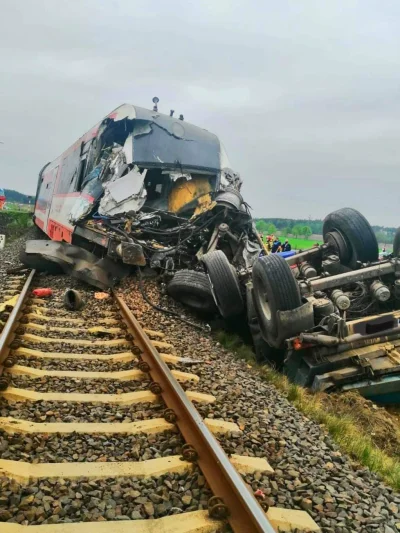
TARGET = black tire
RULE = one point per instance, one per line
(192, 289)
(274, 289)
(39, 263)
(357, 232)
(396, 243)
(224, 284)
(262, 350)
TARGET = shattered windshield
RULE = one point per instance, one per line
(175, 146)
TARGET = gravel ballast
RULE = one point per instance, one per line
(55, 501)
(74, 412)
(85, 386)
(75, 364)
(61, 347)
(310, 471)
(45, 448)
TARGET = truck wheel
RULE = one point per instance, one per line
(352, 235)
(224, 283)
(192, 289)
(396, 243)
(274, 289)
(262, 350)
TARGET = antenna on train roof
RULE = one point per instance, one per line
(155, 102)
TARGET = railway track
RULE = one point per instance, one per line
(102, 432)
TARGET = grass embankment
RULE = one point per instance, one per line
(367, 433)
(14, 223)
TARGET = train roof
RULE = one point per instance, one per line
(159, 139)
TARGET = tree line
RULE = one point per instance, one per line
(306, 227)
(297, 230)
(17, 197)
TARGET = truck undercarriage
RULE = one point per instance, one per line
(335, 325)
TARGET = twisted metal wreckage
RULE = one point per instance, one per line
(142, 188)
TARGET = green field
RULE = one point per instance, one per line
(297, 244)
(300, 244)
(13, 206)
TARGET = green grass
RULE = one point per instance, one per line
(15, 222)
(298, 244)
(304, 244)
(13, 206)
(344, 429)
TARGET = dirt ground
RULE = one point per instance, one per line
(382, 424)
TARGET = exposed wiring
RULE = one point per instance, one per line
(118, 230)
(166, 311)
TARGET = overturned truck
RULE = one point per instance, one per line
(330, 315)
(140, 188)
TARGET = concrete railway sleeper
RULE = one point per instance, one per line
(140, 472)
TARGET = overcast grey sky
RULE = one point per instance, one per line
(305, 95)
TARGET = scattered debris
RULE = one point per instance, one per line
(73, 300)
(58, 257)
(42, 293)
(101, 295)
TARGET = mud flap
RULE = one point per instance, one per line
(291, 323)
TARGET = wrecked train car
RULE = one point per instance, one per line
(140, 188)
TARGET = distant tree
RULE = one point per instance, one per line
(285, 231)
(383, 237)
(296, 230)
(271, 228)
(17, 197)
(261, 225)
(306, 231)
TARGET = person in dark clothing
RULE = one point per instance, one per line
(287, 247)
(276, 245)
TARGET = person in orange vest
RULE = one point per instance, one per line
(2, 198)
(270, 239)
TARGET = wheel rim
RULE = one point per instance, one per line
(264, 308)
(261, 294)
(265, 305)
(336, 239)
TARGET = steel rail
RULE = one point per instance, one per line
(7, 335)
(245, 515)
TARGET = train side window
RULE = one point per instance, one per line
(68, 173)
(81, 173)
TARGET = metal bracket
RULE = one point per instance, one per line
(364, 364)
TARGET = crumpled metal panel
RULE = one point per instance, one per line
(77, 262)
(124, 195)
